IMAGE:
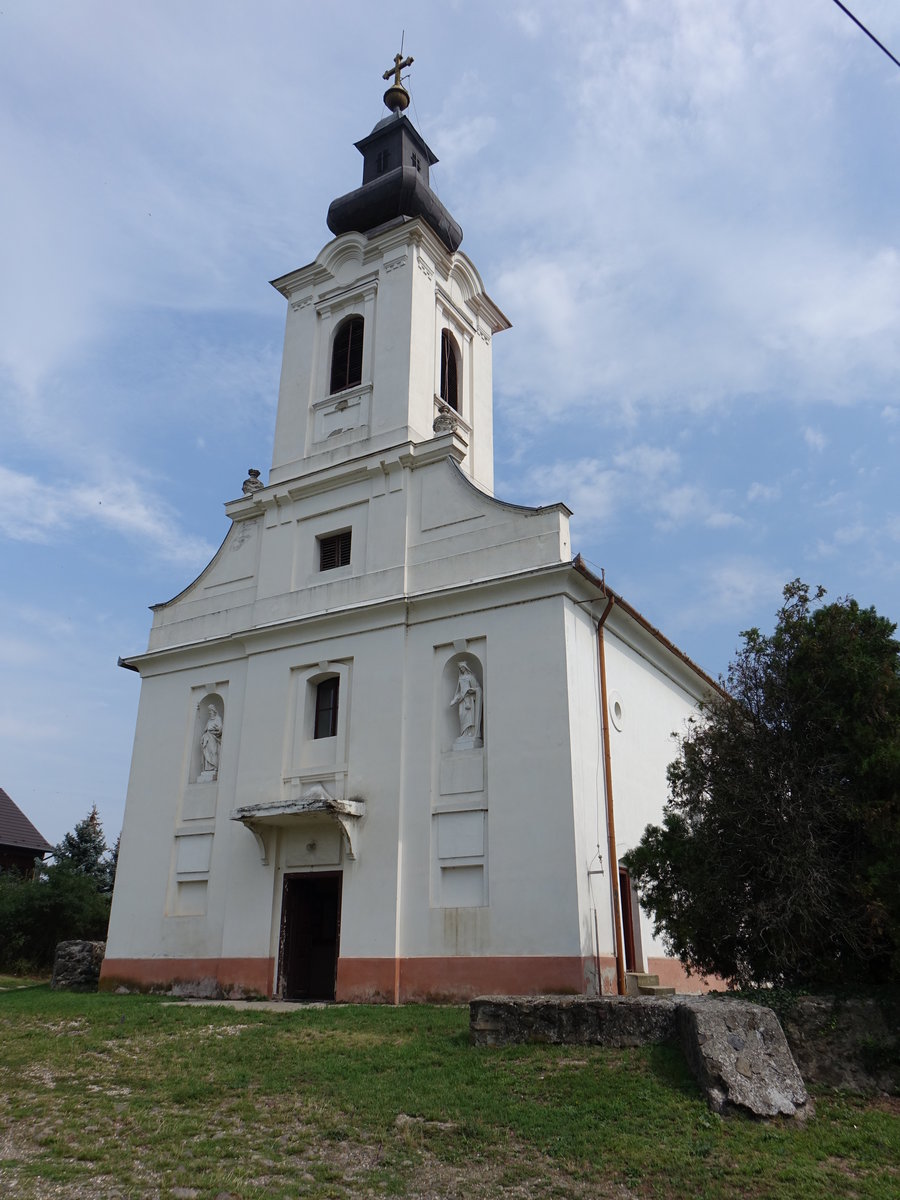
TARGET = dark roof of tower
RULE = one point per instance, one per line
(396, 164)
(17, 830)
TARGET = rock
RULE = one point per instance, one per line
(578, 1020)
(740, 1057)
(613, 1021)
(851, 1042)
(76, 967)
(737, 1051)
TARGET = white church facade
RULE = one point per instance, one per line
(393, 739)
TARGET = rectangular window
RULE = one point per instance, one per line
(326, 708)
(334, 551)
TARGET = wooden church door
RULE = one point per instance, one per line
(310, 936)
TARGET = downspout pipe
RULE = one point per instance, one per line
(612, 858)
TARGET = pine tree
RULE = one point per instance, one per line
(82, 850)
(111, 866)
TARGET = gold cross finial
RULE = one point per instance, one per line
(400, 64)
(396, 97)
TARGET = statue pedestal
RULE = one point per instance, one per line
(468, 743)
(207, 777)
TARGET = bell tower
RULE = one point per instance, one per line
(389, 331)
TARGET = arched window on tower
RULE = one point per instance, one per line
(346, 355)
(449, 370)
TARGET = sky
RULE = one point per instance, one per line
(689, 212)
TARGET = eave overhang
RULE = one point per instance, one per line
(316, 803)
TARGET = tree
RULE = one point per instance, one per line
(37, 913)
(110, 867)
(83, 849)
(68, 898)
(777, 858)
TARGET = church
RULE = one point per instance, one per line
(393, 739)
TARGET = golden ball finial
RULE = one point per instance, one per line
(396, 98)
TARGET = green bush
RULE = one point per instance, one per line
(35, 914)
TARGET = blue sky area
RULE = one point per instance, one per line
(687, 210)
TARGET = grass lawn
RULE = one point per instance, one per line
(127, 1096)
(10, 983)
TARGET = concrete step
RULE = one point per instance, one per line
(654, 989)
(635, 980)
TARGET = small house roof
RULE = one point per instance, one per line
(16, 830)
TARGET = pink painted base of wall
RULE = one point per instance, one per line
(455, 979)
(672, 974)
(391, 981)
(246, 976)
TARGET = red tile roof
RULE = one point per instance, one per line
(16, 830)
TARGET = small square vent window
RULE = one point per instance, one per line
(334, 551)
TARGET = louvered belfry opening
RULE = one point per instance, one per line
(334, 551)
(449, 371)
(346, 355)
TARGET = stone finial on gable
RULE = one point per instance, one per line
(252, 483)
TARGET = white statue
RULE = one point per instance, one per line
(468, 698)
(210, 745)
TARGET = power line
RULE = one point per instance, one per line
(856, 21)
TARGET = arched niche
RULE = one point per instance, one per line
(206, 745)
(462, 701)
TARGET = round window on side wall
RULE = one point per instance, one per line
(616, 710)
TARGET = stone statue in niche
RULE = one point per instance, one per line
(467, 698)
(210, 745)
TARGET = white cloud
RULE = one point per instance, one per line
(463, 139)
(18, 652)
(648, 462)
(530, 21)
(814, 438)
(39, 512)
(849, 535)
(708, 267)
(591, 489)
(734, 589)
(24, 729)
(723, 520)
(763, 491)
(866, 539)
(852, 297)
(690, 504)
(641, 478)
